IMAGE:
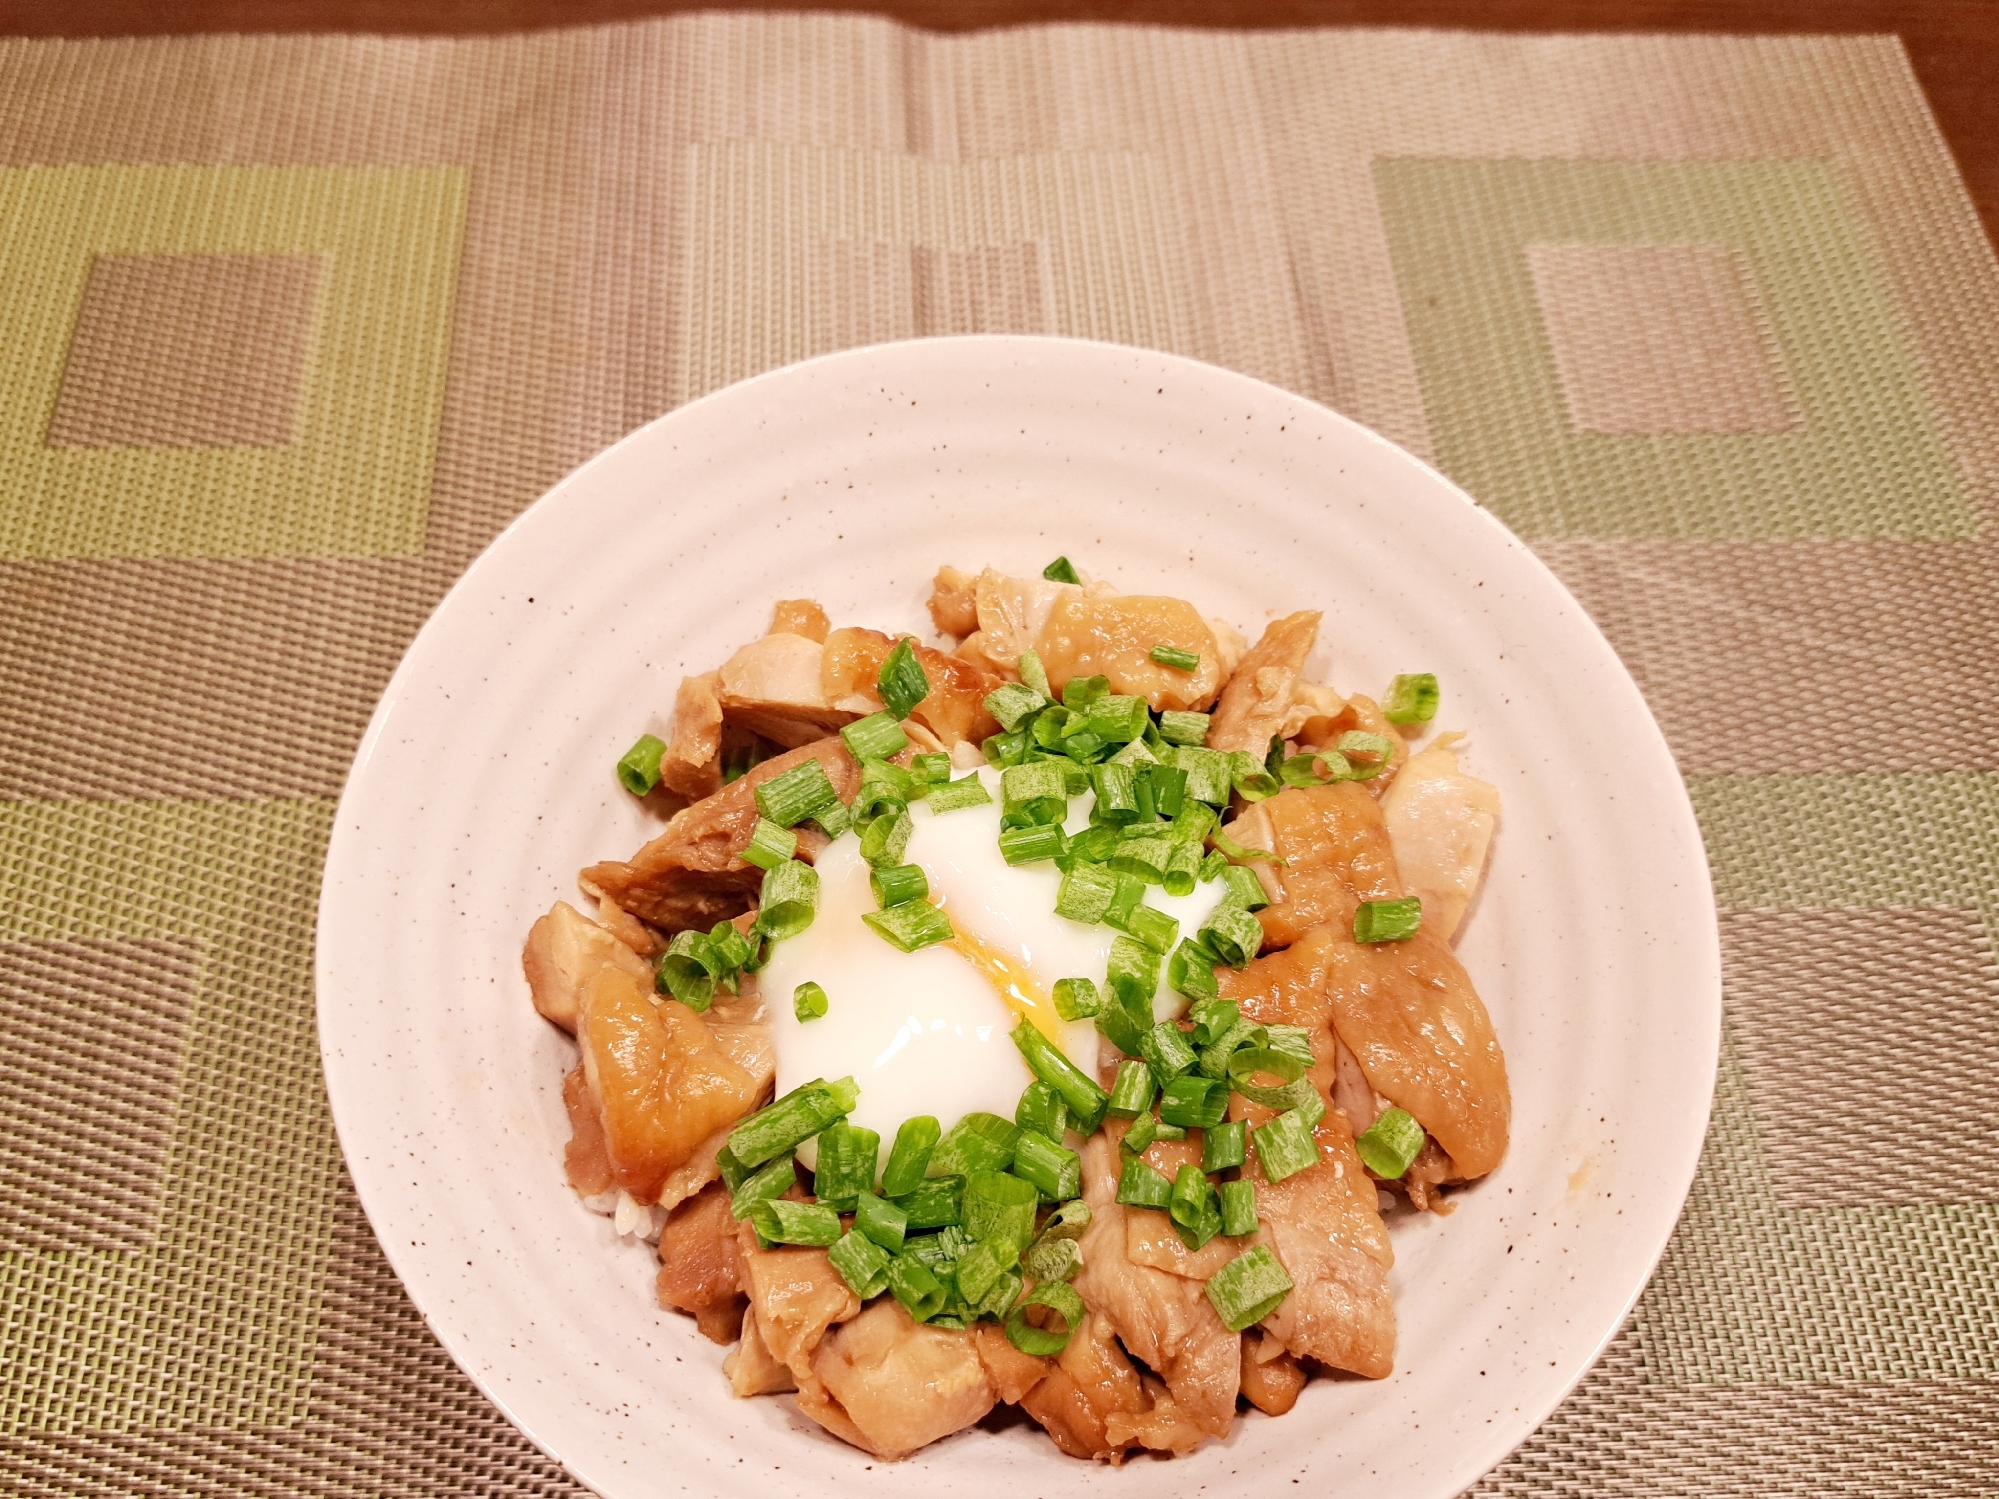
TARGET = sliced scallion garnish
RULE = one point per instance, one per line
(1030, 845)
(915, 1287)
(936, 1203)
(1133, 974)
(808, 1002)
(1412, 698)
(1045, 1342)
(1055, 1170)
(1238, 1207)
(980, 1267)
(1166, 1051)
(638, 771)
(977, 1142)
(1035, 675)
(1142, 1187)
(1053, 1259)
(789, 900)
(1081, 1092)
(1014, 703)
(901, 679)
(1388, 920)
(1193, 1207)
(1194, 1101)
(1033, 793)
(770, 845)
(771, 1180)
(862, 1263)
(1131, 1092)
(1076, 999)
(876, 737)
(781, 1127)
(912, 927)
(687, 970)
(1173, 656)
(909, 1156)
(1233, 935)
(886, 839)
(1388, 1145)
(1224, 1145)
(880, 1220)
(1185, 728)
(784, 1222)
(1248, 1288)
(1061, 570)
(1285, 1145)
(1042, 1111)
(789, 799)
(955, 796)
(898, 884)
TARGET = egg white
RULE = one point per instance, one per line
(927, 1032)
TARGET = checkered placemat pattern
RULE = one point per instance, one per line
(295, 325)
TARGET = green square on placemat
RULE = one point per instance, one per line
(1637, 350)
(223, 361)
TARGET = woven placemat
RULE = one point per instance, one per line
(293, 326)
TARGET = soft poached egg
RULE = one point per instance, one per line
(928, 1032)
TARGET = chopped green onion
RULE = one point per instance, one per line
(1388, 1145)
(1241, 853)
(789, 799)
(1168, 785)
(932, 769)
(772, 1180)
(1166, 1051)
(1042, 1111)
(1033, 793)
(789, 901)
(884, 789)
(1047, 730)
(781, 1127)
(1085, 893)
(937, 1203)
(1214, 866)
(833, 819)
(1000, 1300)
(1067, 1222)
(941, 1250)
(770, 845)
(1411, 699)
(1293, 1040)
(639, 769)
(1213, 1018)
(1185, 729)
(1153, 927)
(1238, 1207)
(784, 1222)
(1285, 1145)
(1248, 1288)
(881, 1221)
(1314, 768)
(1041, 1342)
(1137, 753)
(847, 1157)
(898, 885)
(1075, 777)
(1224, 1145)
(978, 1142)
(1060, 571)
(1125, 1019)
(1387, 920)
(1116, 788)
(1144, 1130)
(1193, 1207)
(909, 1156)
(887, 837)
(808, 1001)
(1245, 889)
(1053, 1259)
(1035, 675)
(1183, 869)
(1094, 845)
(1215, 1055)
(1131, 1093)
(915, 1287)
(1014, 703)
(1369, 749)
(1194, 1102)
(1055, 1170)
(733, 1171)
(1081, 1092)
(1296, 1091)
(1143, 859)
(916, 925)
(981, 1266)
(1233, 935)
(999, 1205)
(901, 680)
(687, 970)
(876, 737)
(1208, 772)
(1141, 1187)
(1116, 718)
(862, 1264)
(1077, 999)
(955, 796)
(1079, 692)
(1030, 845)
(1133, 972)
(1006, 749)
(1173, 656)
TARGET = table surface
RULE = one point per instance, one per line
(1953, 44)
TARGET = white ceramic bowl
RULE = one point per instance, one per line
(485, 782)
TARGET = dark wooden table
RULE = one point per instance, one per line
(1954, 44)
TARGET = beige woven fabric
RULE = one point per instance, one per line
(297, 324)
